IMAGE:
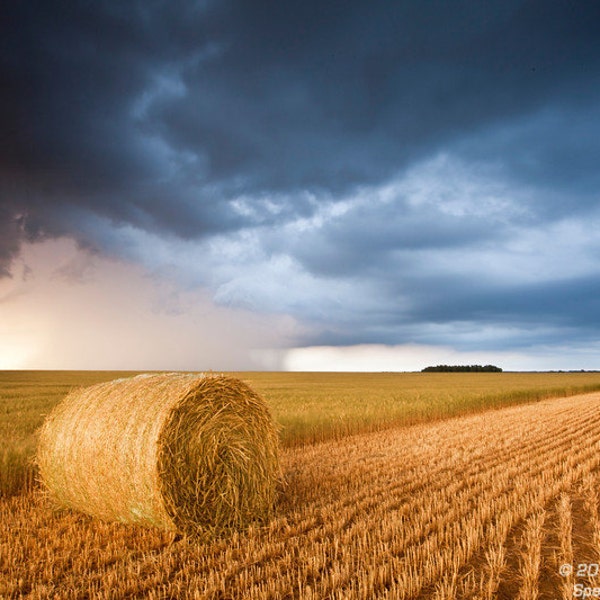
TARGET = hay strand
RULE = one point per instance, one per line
(179, 452)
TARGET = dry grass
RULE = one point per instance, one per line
(180, 452)
(314, 407)
(448, 510)
(531, 557)
(565, 517)
(307, 407)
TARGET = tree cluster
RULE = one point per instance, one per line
(462, 369)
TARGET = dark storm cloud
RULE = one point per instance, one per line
(457, 312)
(264, 96)
(566, 302)
(381, 242)
(553, 153)
(10, 233)
(418, 306)
(329, 95)
(189, 120)
(72, 75)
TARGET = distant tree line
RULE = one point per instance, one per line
(462, 369)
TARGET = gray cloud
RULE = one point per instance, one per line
(278, 128)
(564, 302)
(9, 235)
(378, 242)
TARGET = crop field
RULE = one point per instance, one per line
(396, 486)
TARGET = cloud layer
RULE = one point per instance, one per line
(383, 173)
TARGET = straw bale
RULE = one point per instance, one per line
(181, 452)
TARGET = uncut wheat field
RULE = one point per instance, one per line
(496, 502)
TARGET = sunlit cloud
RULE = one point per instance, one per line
(66, 309)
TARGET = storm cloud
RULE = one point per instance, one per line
(385, 173)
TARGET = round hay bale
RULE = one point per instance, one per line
(179, 452)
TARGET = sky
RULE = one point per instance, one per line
(300, 185)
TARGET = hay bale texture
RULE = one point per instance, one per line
(179, 452)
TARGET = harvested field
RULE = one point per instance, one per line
(307, 407)
(483, 506)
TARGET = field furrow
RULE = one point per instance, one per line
(483, 506)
